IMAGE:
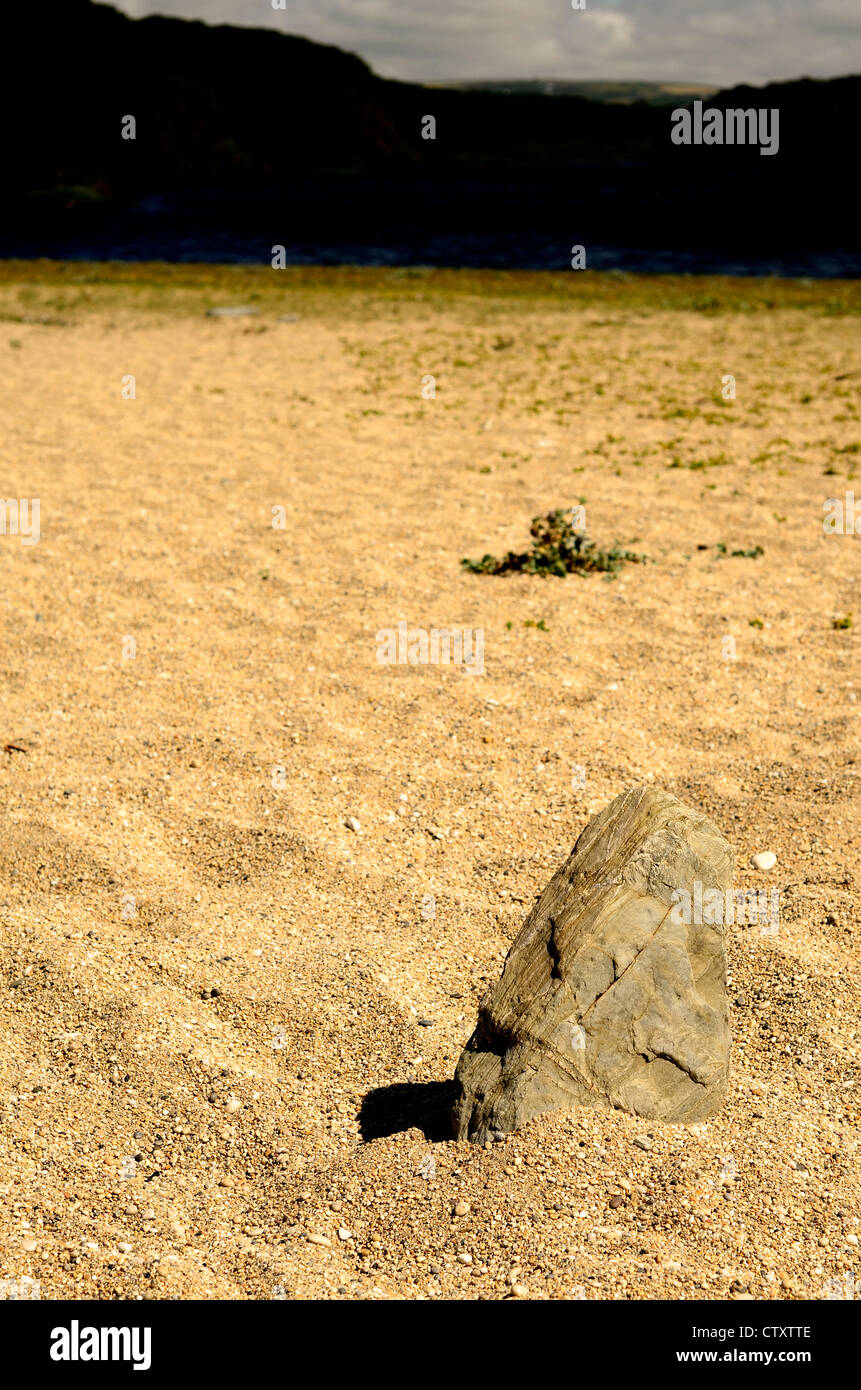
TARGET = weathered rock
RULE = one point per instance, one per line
(607, 997)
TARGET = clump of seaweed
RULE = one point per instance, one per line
(557, 548)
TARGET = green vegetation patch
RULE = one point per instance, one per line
(556, 549)
(697, 465)
(357, 292)
(753, 554)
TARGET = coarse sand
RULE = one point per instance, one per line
(253, 882)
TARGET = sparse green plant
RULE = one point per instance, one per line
(744, 554)
(556, 549)
(842, 622)
(696, 465)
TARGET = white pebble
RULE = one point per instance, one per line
(353, 824)
(764, 860)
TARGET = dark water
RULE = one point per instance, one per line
(523, 252)
(635, 223)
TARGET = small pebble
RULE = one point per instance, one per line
(353, 824)
(643, 1142)
(520, 1290)
(344, 1234)
(461, 1208)
(617, 1201)
(764, 860)
(464, 1258)
(124, 1247)
(233, 312)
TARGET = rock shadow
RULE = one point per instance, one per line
(424, 1105)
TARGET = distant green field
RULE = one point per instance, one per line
(613, 93)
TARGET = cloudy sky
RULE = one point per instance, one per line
(724, 42)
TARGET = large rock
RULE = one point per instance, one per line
(608, 997)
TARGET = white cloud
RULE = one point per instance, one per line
(667, 40)
(610, 32)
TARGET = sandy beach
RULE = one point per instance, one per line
(253, 881)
